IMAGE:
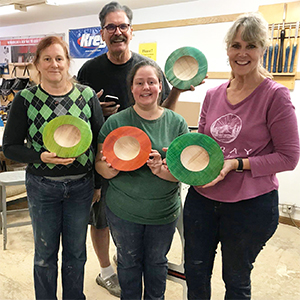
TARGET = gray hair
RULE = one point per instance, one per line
(254, 29)
(111, 7)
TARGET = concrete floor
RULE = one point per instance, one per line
(276, 275)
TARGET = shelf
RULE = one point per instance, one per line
(283, 74)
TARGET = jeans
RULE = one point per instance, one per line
(59, 210)
(141, 251)
(242, 228)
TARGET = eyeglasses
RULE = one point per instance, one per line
(111, 28)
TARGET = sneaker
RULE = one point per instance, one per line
(111, 284)
(115, 259)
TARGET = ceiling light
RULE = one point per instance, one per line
(10, 9)
(63, 2)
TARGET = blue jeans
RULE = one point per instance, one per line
(59, 210)
(142, 251)
(242, 228)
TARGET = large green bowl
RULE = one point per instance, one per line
(67, 136)
(194, 158)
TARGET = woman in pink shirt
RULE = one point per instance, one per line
(254, 122)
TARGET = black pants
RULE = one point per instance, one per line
(242, 228)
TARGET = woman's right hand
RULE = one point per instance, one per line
(51, 158)
(102, 166)
(114, 172)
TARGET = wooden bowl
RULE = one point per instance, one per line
(186, 66)
(127, 148)
(67, 136)
(194, 158)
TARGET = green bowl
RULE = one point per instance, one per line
(194, 158)
(67, 136)
(186, 66)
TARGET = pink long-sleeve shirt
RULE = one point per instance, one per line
(262, 128)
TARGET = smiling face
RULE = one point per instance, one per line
(244, 57)
(53, 65)
(117, 42)
(146, 87)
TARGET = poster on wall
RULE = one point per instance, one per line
(19, 49)
(148, 50)
(86, 42)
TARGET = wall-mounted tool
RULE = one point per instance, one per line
(282, 37)
(265, 58)
(276, 51)
(287, 51)
(271, 49)
(294, 47)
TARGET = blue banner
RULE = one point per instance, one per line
(86, 42)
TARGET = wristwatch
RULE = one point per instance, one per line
(240, 167)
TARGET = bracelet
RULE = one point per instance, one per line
(240, 167)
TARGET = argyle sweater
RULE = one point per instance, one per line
(32, 109)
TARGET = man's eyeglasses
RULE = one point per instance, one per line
(111, 28)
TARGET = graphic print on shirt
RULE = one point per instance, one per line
(226, 128)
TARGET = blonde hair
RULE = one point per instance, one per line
(254, 29)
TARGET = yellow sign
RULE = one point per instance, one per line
(148, 50)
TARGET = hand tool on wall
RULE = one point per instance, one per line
(276, 51)
(282, 37)
(271, 48)
(294, 47)
(287, 51)
(265, 58)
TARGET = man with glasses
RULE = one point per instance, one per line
(107, 74)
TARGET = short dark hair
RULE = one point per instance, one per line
(111, 7)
